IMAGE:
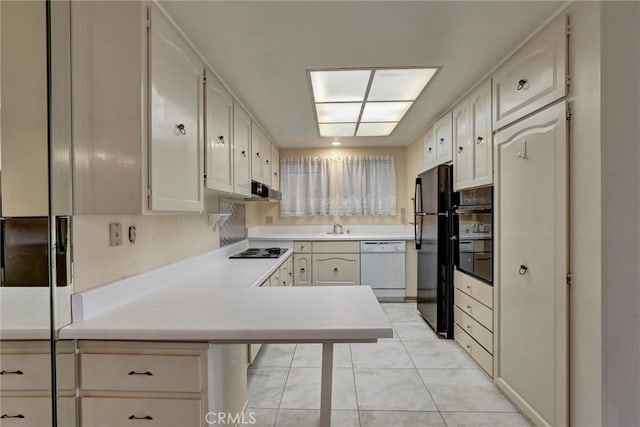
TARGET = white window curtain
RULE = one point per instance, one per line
(343, 186)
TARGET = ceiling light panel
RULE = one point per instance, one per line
(338, 112)
(340, 85)
(404, 84)
(337, 129)
(384, 111)
(376, 129)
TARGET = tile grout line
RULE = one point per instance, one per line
(275, 421)
(355, 387)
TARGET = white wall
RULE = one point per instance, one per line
(620, 40)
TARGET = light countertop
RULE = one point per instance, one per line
(356, 232)
(216, 299)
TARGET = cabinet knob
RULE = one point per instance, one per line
(244, 153)
(468, 326)
(460, 149)
(479, 140)
(221, 139)
(441, 140)
(523, 270)
(522, 84)
(468, 307)
(267, 161)
(181, 129)
(146, 417)
(16, 372)
(275, 174)
(257, 154)
(429, 149)
(335, 270)
(7, 416)
(302, 270)
(146, 373)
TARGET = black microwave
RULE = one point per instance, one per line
(473, 230)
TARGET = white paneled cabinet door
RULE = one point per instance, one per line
(241, 151)
(266, 160)
(275, 167)
(302, 269)
(480, 108)
(442, 137)
(175, 134)
(256, 152)
(218, 135)
(429, 150)
(463, 149)
(531, 254)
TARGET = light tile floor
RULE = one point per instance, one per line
(414, 379)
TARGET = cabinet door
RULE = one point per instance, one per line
(175, 135)
(256, 152)
(241, 151)
(266, 165)
(443, 139)
(429, 150)
(463, 156)
(533, 77)
(336, 269)
(275, 167)
(290, 271)
(218, 137)
(531, 226)
(480, 107)
(302, 269)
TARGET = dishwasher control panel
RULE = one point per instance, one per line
(382, 246)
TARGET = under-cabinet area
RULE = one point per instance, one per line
(319, 213)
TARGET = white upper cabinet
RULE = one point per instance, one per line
(175, 134)
(257, 156)
(429, 149)
(533, 77)
(218, 135)
(266, 161)
(241, 151)
(275, 167)
(442, 139)
(463, 156)
(137, 112)
(473, 161)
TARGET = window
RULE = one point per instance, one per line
(345, 186)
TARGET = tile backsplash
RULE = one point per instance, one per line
(235, 228)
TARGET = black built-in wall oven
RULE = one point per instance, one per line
(473, 233)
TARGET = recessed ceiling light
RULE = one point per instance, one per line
(376, 129)
(384, 111)
(337, 129)
(340, 85)
(336, 143)
(371, 100)
(404, 84)
(346, 112)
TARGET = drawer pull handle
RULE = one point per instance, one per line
(147, 373)
(523, 270)
(146, 417)
(7, 416)
(16, 372)
(522, 84)
(181, 129)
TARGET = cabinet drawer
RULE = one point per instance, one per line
(109, 412)
(25, 411)
(474, 309)
(302, 247)
(474, 328)
(332, 247)
(474, 287)
(25, 372)
(475, 350)
(125, 372)
(533, 77)
(336, 269)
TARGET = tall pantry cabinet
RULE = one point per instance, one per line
(137, 108)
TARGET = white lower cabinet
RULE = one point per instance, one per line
(35, 411)
(158, 383)
(302, 269)
(531, 275)
(336, 269)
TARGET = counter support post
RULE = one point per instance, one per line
(326, 384)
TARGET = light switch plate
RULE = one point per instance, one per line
(115, 234)
(268, 220)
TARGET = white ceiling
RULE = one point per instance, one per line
(262, 51)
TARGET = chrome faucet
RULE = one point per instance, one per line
(337, 226)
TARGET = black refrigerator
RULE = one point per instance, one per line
(434, 230)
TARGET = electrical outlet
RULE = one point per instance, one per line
(132, 234)
(115, 234)
(268, 220)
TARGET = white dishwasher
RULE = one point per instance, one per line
(382, 266)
